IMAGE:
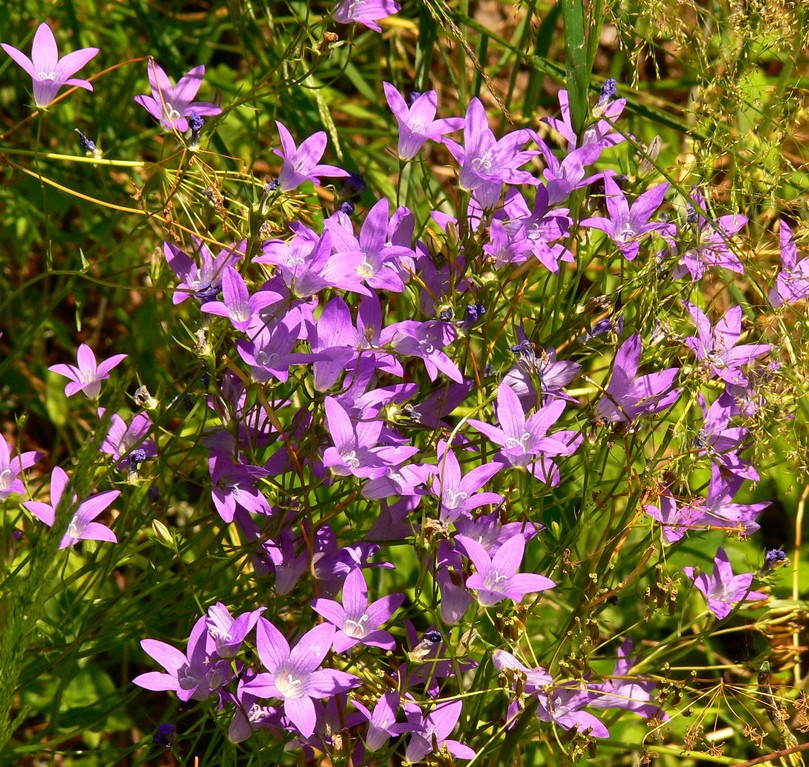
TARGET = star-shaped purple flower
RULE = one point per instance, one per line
(87, 377)
(792, 282)
(47, 71)
(294, 674)
(11, 467)
(365, 12)
(497, 578)
(523, 440)
(301, 163)
(723, 589)
(716, 346)
(81, 526)
(417, 123)
(356, 620)
(629, 396)
(172, 105)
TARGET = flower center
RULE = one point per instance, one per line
(5, 479)
(74, 529)
(172, 113)
(289, 686)
(521, 443)
(493, 580)
(351, 459)
(452, 498)
(355, 629)
(366, 269)
(482, 164)
(46, 76)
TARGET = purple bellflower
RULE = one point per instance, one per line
(433, 731)
(458, 494)
(627, 225)
(792, 282)
(625, 691)
(234, 486)
(172, 105)
(123, 442)
(563, 704)
(203, 282)
(486, 163)
(716, 346)
(722, 442)
(723, 589)
(497, 578)
(237, 304)
(294, 675)
(365, 12)
(301, 163)
(426, 341)
(712, 237)
(355, 450)
(523, 440)
(375, 261)
(356, 620)
(629, 396)
(87, 377)
(193, 674)
(601, 133)
(382, 721)
(228, 632)
(47, 71)
(81, 526)
(10, 469)
(417, 122)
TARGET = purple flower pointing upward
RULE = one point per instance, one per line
(172, 105)
(626, 225)
(417, 122)
(628, 395)
(295, 675)
(301, 162)
(524, 441)
(792, 283)
(497, 578)
(357, 621)
(723, 589)
(87, 377)
(81, 525)
(47, 71)
(716, 346)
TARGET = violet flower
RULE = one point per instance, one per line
(381, 723)
(629, 396)
(48, 72)
(417, 122)
(563, 704)
(601, 133)
(712, 238)
(301, 162)
(792, 282)
(497, 578)
(10, 469)
(356, 620)
(355, 450)
(193, 674)
(233, 486)
(458, 494)
(523, 440)
(238, 305)
(486, 162)
(294, 674)
(432, 732)
(716, 346)
(171, 105)
(87, 377)
(81, 526)
(627, 225)
(228, 632)
(123, 441)
(365, 12)
(624, 691)
(204, 281)
(723, 589)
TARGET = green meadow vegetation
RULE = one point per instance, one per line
(404, 383)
